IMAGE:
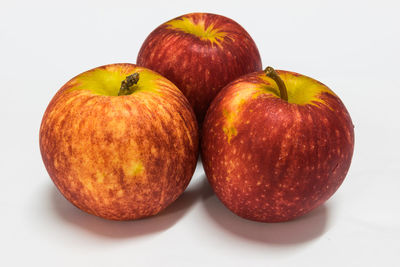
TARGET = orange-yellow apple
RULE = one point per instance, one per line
(120, 141)
(276, 145)
(200, 53)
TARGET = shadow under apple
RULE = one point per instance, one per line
(125, 229)
(300, 230)
(303, 229)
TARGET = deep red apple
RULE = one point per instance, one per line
(276, 145)
(200, 53)
(120, 141)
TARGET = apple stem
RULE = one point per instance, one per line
(126, 85)
(270, 72)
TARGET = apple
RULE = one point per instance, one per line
(276, 145)
(200, 53)
(120, 141)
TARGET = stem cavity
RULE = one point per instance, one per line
(270, 72)
(127, 85)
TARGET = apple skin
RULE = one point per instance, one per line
(119, 157)
(270, 160)
(200, 53)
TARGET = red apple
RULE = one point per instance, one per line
(275, 147)
(120, 141)
(200, 53)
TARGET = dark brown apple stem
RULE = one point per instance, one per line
(270, 72)
(127, 84)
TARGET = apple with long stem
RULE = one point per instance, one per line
(276, 145)
(200, 53)
(120, 141)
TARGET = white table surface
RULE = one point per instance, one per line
(352, 46)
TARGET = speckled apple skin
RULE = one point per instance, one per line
(285, 159)
(120, 157)
(200, 68)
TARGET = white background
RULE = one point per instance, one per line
(352, 46)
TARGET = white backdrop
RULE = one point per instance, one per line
(351, 46)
